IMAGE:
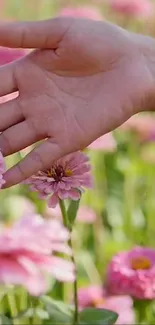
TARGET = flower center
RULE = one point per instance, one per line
(141, 263)
(58, 172)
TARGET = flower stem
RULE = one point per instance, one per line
(64, 214)
(67, 225)
(141, 307)
(13, 306)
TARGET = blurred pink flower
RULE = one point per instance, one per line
(27, 251)
(104, 143)
(8, 55)
(143, 125)
(133, 273)
(64, 180)
(2, 170)
(137, 8)
(83, 12)
(84, 215)
(95, 296)
(6, 98)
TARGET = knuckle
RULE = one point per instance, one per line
(37, 159)
(21, 171)
(6, 144)
(23, 37)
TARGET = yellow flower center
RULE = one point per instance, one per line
(68, 172)
(141, 263)
(58, 172)
(49, 173)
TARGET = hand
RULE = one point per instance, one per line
(85, 79)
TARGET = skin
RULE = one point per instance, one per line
(83, 79)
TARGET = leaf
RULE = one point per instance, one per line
(72, 211)
(42, 314)
(59, 313)
(97, 316)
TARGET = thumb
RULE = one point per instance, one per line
(40, 158)
(40, 34)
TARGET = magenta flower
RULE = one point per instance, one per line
(83, 12)
(104, 143)
(27, 252)
(133, 273)
(137, 8)
(2, 170)
(66, 179)
(95, 296)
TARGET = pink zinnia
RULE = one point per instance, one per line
(27, 252)
(66, 179)
(2, 170)
(104, 143)
(137, 8)
(83, 12)
(133, 273)
(95, 296)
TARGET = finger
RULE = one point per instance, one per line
(8, 82)
(42, 157)
(40, 34)
(17, 138)
(10, 114)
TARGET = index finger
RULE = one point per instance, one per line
(40, 34)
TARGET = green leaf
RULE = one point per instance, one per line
(72, 211)
(59, 313)
(97, 316)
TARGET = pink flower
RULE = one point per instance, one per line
(27, 251)
(133, 273)
(137, 8)
(86, 215)
(104, 143)
(83, 12)
(64, 180)
(143, 125)
(8, 55)
(95, 296)
(2, 170)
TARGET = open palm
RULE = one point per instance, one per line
(85, 79)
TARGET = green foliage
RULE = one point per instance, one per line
(59, 313)
(72, 211)
(97, 316)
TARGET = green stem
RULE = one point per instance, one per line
(64, 214)
(75, 285)
(141, 307)
(13, 307)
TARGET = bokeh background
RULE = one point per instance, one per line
(119, 213)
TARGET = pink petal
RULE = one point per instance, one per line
(53, 201)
